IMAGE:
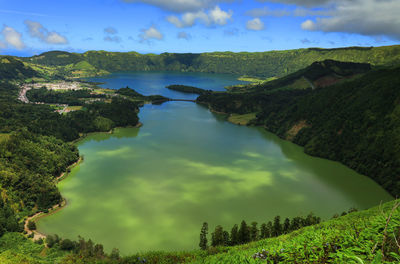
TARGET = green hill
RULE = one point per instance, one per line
(355, 122)
(12, 68)
(266, 64)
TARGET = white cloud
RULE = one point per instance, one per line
(184, 35)
(220, 17)
(366, 17)
(151, 33)
(255, 24)
(308, 25)
(3, 45)
(215, 16)
(181, 6)
(12, 38)
(37, 30)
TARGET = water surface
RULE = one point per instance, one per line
(151, 188)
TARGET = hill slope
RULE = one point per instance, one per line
(355, 122)
(267, 64)
(362, 237)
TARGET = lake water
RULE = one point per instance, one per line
(151, 188)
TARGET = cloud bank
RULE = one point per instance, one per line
(365, 17)
(255, 24)
(37, 30)
(151, 33)
(181, 6)
(12, 38)
(215, 16)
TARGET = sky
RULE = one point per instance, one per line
(154, 26)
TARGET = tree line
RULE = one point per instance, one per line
(245, 233)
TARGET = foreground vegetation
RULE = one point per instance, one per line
(369, 236)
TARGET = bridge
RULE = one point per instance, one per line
(181, 100)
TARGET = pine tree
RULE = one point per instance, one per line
(263, 231)
(269, 229)
(203, 236)
(286, 226)
(277, 229)
(217, 236)
(244, 233)
(253, 232)
(234, 239)
(226, 238)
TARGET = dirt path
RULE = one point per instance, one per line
(36, 234)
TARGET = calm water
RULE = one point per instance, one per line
(152, 188)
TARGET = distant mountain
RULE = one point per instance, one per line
(318, 74)
(265, 64)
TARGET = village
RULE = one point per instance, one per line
(56, 86)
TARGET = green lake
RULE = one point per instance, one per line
(151, 188)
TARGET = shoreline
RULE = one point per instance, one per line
(38, 235)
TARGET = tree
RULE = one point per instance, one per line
(296, 223)
(203, 236)
(286, 226)
(254, 232)
(217, 237)
(277, 228)
(98, 251)
(226, 238)
(234, 238)
(244, 233)
(31, 225)
(51, 240)
(269, 229)
(263, 231)
(66, 244)
(114, 254)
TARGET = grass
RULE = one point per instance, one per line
(74, 108)
(354, 238)
(256, 80)
(369, 236)
(4, 137)
(242, 120)
(15, 248)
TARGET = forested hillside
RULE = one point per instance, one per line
(355, 122)
(34, 143)
(266, 64)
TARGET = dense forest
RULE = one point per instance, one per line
(355, 121)
(265, 64)
(35, 148)
(186, 89)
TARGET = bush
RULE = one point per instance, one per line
(31, 225)
(67, 244)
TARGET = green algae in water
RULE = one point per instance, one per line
(151, 188)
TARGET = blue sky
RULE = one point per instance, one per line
(153, 26)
